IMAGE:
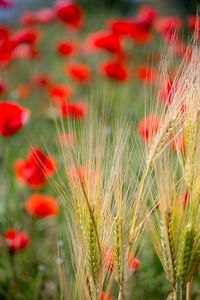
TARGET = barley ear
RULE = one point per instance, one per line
(185, 253)
(93, 251)
(118, 251)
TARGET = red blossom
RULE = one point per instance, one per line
(3, 87)
(148, 127)
(16, 240)
(105, 40)
(45, 15)
(65, 48)
(40, 80)
(79, 72)
(25, 35)
(147, 75)
(12, 118)
(35, 169)
(6, 4)
(178, 144)
(133, 263)
(28, 18)
(70, 13)
(41, 206)
(115, 70)
(147, 15)
(60, 93)
(76, 110)
(105, 296)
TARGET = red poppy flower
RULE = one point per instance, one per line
(133, 28)
(28, 18)
(166, 94)
(178, 144)
(194, 23)
(115, 70)
(40, 80)
(4, 33)
(105, 296)
(104, 40)
(141, 36)
(146, 75)
(146, 15)
(6, 3)
(65, 48)
(60, 93)
(185, 200)
(25, 51)
(16, 240)
(148, 127)
(23, 91)
(3, 87)
(168, 24)
(79, 72)
(45, 15)
(41, 206)
(133, 263)
(25, 35)
(12, 118)
(108, 259)
(121, 26)
(6, 50)
(70, 13)
(35, 169)
(76, 110)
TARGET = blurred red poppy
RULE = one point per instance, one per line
(3, 87)
(146, 15)
(166, 25)
(41, 80)
(12, 118)
(115, 70)
(76, 110)
(147, 75)
(28, 18)
(23, 91)
(6, 49)
(133, 28)
(25, 35)
(70, 13)
(16, 240)
(105, 40)
(41, 206)
(60, 93)
(35, 169)
(167, 89)
(65, 48)
(45, 15)
(185, 200)
(25, 51)
(105, 296)
(79, 72)
(4, 33)
(108, 259)
(133, 263)
(6, 3)
(148, 127)
(121, 26)
(178, 144)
